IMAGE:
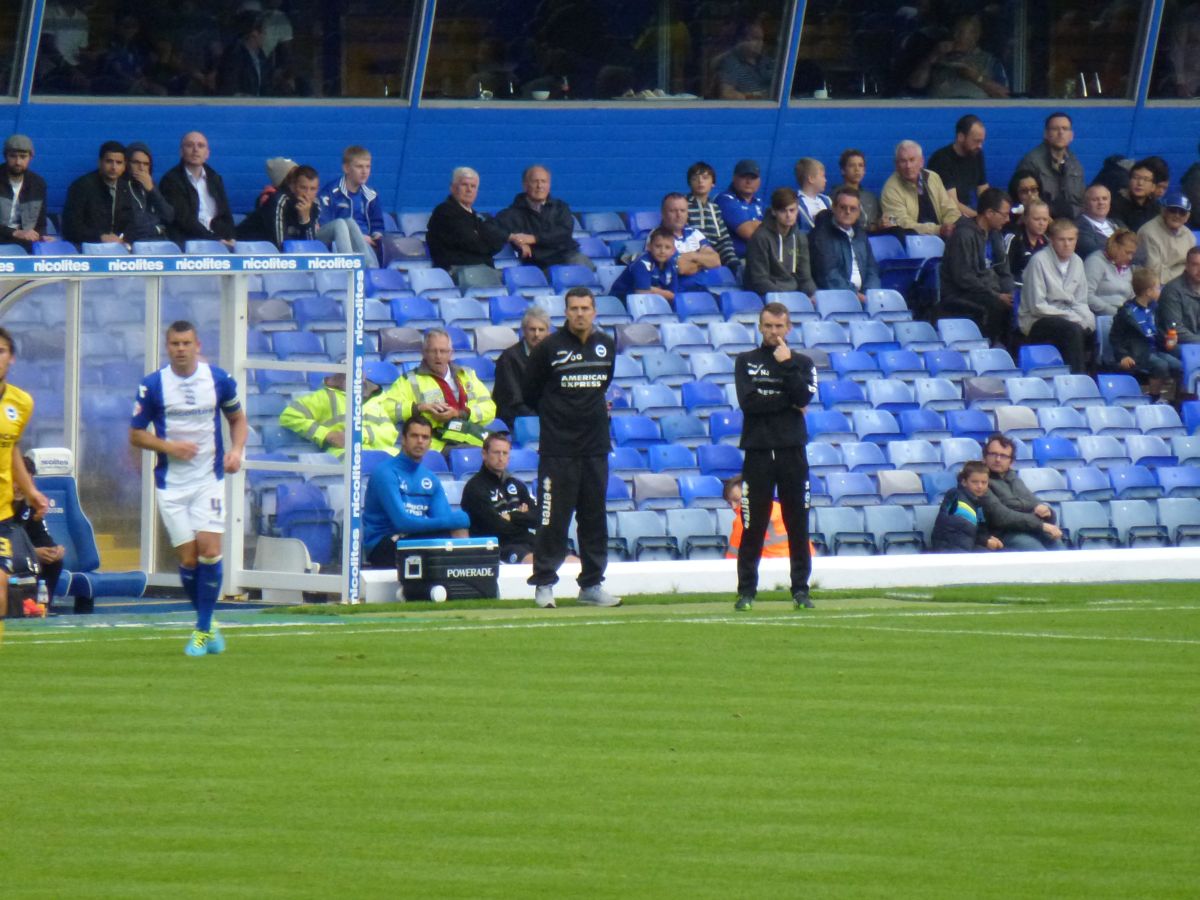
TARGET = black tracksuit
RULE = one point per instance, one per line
(565, 381)
(487, 499)
(772, 396)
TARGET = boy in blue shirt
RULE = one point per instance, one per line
(1136, 344)
(654, 272)
(351, 217)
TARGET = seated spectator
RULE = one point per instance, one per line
(1179, 305)
(810, 191)
(97, 209)
(696, 254)
(405, 500)
(1163, 242)
(741, 204)
(1014, 513)
(351, 216)
(1030, 237)
(839, 251)
(1054, 308)
(290, 214)
(1114, 173)
(245, 70)
(1023, 188)
(498, 503)
(541, 225)
(22, 196)
(1190, 185)
(1109, 273)
(460, 236)
(654, 272)
(150, 213)
(197, 194)
(510, 367)
(1137, 204)
(961, 525)
(961, 166)
(50, 553)
(777, 254)
(451, 398)
(746, 72)
(321, 416)
(705, 216)
(914, 199)
(976, 281)
(854, 168)
(1138, 346)
(1095, 226)
(965, 69)
(1058, 169)
(278, 168)
(1161, 173)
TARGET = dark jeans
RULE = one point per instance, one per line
(1073, 341)
(764, 472)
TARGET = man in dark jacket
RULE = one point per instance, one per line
(774, 386)
(150, 212)
(542, 225)
(839, 251)
(777, 252)
(1014, 513)
(510, 367)
(1058, 169)
(290, 214)
(499, 505)
(1179, 303)
(197, 194)
(97, 210)
(458, 235)
(22, 195)
(976, 281)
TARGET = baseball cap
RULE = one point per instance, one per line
(746, 167)
(1177, 200)
(18, 143)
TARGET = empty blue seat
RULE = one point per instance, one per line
(1089, 483)
(156, 248)
(672, 459)
(684, 337)
(924, 246)
(875, 425)
(717, 279)
(1134, 483)
(644, 535)
(666, 368)
(563, 278)
(1032, 392)
(627, 461)
(1181, 517)
(702, 397)
(716, 368)
(828, 336)
(741, 306)
(873, 336)
(526, 281)
(1041, 361)
(1179, 481)
(893, 529)
(824, 458)
(891, 395)
(698, 307)
(387, 283)
(432, 283)
(938, 394)
(617, 496)
(694, 529)
(1121, 390)
(507, 310)
(650, 308)
(415, 312)
(842, 532)
(903, 364)
(1101, 451)
(638, 339)
(917, 336)
(704, 491)
(800, 308)
(1062, 421)
(961, 334)
(852, 489)
(958, 450)
(993, 361)
(1117, 421)
(923, 424)
(319, 313)
(1050, 485)
(414, 224)
(635, 431)
(829, 425)
(970, 423)
(842, 394)
(901, 487)
(722, 460)
(1159, 420)
(731, 337)
(725, 426)
(887, 305)
(855, 365)
(1077, 390)
(1186, 449)
(863, 456)
(1149, 450)
(1085, 524)
(299, 345)
(607, 226)
(683, 429)
(1136, 523)
(839, 305)
(984, 392)
(949, 364)
(654, 400)
(113, 248)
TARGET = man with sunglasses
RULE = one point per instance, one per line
(1014, 513)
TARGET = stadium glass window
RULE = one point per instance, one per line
(952, 50)
(618, 50)
(1177, 56)
(13, 17)
(240, 48)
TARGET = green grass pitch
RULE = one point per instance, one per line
(976, 742)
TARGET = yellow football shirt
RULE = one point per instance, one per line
(16, 408)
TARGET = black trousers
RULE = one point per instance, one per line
(1072, 341)
(566, 486)
(993, 317)
(763, 473)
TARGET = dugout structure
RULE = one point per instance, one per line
(88, 328)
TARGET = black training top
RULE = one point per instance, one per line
(565, 381)
(772, 396)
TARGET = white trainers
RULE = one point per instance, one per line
(544, 596)
(598, 596)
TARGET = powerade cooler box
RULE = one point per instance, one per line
(468, 568)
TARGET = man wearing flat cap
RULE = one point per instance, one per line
(22, 195)
(742, 205)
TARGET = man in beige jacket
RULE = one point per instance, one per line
(1164, 241)
(914, 198)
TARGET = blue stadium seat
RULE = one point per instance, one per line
(875, 425)
(713, 367)
(923, 424)
(1186, 449)
(1136, 522)
(1159, 420)
(731, 337)
(683, 429)
(694, 530)
(654, 400)
(302, 512)
(1032, 392)
(1179, 481)
(638, 339)
(527, 281)
(387, 283)
(607, 226)
(961, 334)
(890, 395)
(938, 394)
(1050, 485)
(562, 278)
(319, 313)
(1121, 390)
(274, 314)
(507, 310)
(741, 306)
(628, 371)
(893, 530)
(956, 451)
(718, 279)
(112, 248)
(1085, 524)
(289, 285)
(492, 340)
(1190, 410)
(725, 427)
(842, 394)
(465, 461)
(917, 336)
(984, 392)
(1149, 450)
(800, 308)
(839, 306)
(938, 483)
(415, 224)
(697, 307)
(828, 336)
(684, 337)
(1189, 355)
(415, 312)
(12, 250)
(1181, 517)
(1099, 450)
(1077, 390)
(1062, 421)
(970, 423)
(903, 364)
(593, 247)
(643, 221)
(855, 365)
(627, 461)
(887, 305)
(900, 487)
(852, 489)
(401, 344)
(667, 368)
(863, 456)
(617, 496)
(672, 459)
(924, 246)
(702, 397)
(292, 245)
(1134, 483)
(635, 431)
(949, 364)
(872, 336)
(703, 491)
(1114, 420)
(157, 248)
(650, 308)
(644, 533)
(824, 459)
(299, 345)
(1089, 483)
(433, 284)
(465, 312)
(722, 460)
(829, 425)
(54, 248)
(841, 532)
(527, 431)
(993, 361)
(1041, 361)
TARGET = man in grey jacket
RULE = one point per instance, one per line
(976, 281)
(1014, 513)
(777, 253)
(22, 196)
(1179, 304)
(1059, 169)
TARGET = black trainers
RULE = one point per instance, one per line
(744, 603)
(802, 600)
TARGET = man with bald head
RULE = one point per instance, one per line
(914, 199)
(1095, 225)
(541, 225)
(197, 194)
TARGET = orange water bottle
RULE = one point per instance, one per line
(1171, 340)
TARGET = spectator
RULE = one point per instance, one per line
(964, 69)
(839, 251)
(1161, 173)
(321, 416)
(458, 235)
(405, 499)
(1163, 242)
(1179, 305)
(1024, 187)
(1190, 185)
(1054, 308)
(705, 216)
(197, 194)
(50, 553)
(350, 215)
(245, 70)
(777, 254)
(498, 503)
(1137, 205)
(961, 166)
(775, 544)
(654, 272)
(290, 214)
(1136, 342)
(1109, 274)
(741, 204)
(510, 367)
(1014, 513)
(123, 68)
(1058, 169)
(810, 178)
(1114, 173)
(1030, 237)
(278, 168)
(22, 196)
(854, 168)
(961, 524)
(67, 22)
(696, 254)
(1095, 227)
(150, 213)
(541, 225)
(976, 281)
(451, 398)
(97, 210)
(914, 199)
(745, 72)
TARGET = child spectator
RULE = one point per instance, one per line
(1136, 344)
(960, 526)
(775, 546)
(654, 272)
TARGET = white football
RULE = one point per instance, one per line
(437, 594)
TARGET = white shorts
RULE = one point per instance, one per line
(187, 511)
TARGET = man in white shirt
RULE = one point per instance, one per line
(197, 194)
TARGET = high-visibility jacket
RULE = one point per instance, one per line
(776, 542)
(317, 415)
(421, 386)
